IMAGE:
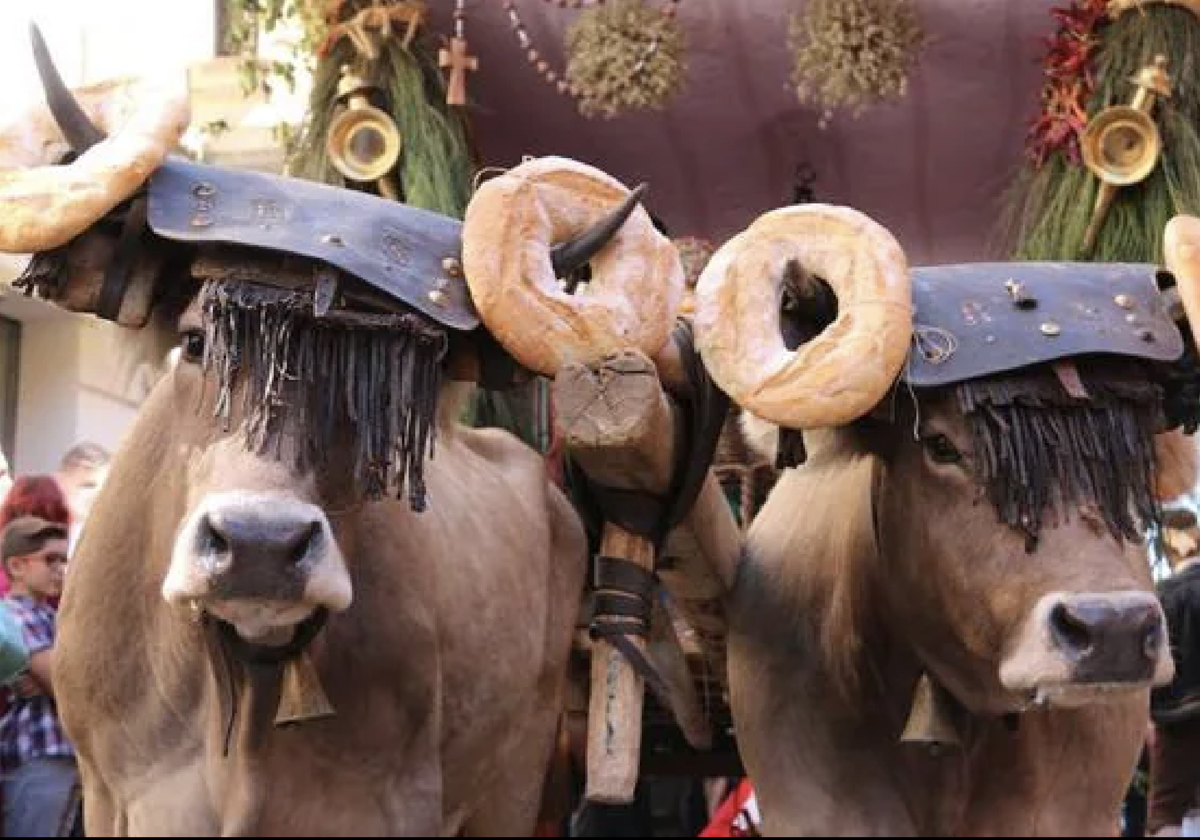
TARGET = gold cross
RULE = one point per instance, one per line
(459, 61)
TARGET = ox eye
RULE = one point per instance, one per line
(941, 449)
(193, 346)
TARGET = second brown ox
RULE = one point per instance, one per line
(975, 546)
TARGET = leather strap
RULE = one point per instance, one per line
(119, 271)
(621, 609)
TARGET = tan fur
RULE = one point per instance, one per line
(1178, 465)
(446, 671)
(840, 608)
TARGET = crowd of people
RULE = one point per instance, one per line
(41, 517)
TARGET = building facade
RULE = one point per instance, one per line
(64, 377)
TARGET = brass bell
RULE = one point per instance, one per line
(931, 721)
(363, 141)
(301, 696)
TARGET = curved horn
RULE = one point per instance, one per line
(635, 287)
(844, 371)
(47, 205)
(74, 123)
(568, 256)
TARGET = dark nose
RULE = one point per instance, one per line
(1109, 641)
(257, 554)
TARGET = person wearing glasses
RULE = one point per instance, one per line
(40, 778)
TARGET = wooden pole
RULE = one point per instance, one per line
(618, 425)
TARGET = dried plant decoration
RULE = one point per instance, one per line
(625, 56)
(851, 54)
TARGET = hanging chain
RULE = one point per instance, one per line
(535, 58)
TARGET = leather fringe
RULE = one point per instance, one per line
(303, 378)
(1040, 451)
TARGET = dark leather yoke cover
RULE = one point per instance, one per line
(393, 247)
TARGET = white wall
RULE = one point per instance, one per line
(73, 382)
(93, 40)
(47, 416)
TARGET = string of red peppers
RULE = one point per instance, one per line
(1069, 81)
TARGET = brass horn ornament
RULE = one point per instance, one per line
(363, 141)
(1122, 144)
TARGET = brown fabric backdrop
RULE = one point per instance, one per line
(930, 168)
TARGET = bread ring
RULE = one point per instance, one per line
(511, 224)
(843, 372)
(48, 205)
(1181, 251)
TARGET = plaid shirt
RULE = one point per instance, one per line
(30, 728)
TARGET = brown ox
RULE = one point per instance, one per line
(445, 670)
(973, 552)
(207, 568)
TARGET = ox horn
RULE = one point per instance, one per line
(578, 252)
(47, 205)
(513, 265)
(1181, 250)
(844, 371)
(72, 120)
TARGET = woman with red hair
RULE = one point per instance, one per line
(33, 495)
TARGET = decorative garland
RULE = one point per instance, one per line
(1096, 61)
(436, 166)
(621, 55)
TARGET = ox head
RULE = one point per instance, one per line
(314, 338)
(981, 444)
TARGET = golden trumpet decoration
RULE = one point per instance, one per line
(363, 141)
(1122, 144)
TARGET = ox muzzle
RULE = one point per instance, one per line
(261, 561)
(1074, 648)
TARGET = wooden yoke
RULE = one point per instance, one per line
(619, 426)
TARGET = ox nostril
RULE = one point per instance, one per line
(305, 539)
(281, 541)
(1072, 631)
(1152, 640)
(210, 542)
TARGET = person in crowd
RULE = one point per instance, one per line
(81, 473)
(33, 495)
(40, 778)
(1175, 708)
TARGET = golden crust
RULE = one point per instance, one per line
(48, 205)
(512, 222)
(842, 373)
